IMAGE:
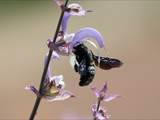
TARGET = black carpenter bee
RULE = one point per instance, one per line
(87, 61)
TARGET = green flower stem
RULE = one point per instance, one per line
(38, 100)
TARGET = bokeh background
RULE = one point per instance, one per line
(132, 33)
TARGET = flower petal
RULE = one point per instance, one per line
(110, 97)
(76, 9)
(104, 88)
(95, 91)
(88, 32)
(63, 95)
(69, 37)
(55, 55)
(32, 89)
(94, 108)
(80, 13)
(59, 2)
(58, 80)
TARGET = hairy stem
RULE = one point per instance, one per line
(38, 100)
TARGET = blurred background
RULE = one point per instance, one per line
(132, 34)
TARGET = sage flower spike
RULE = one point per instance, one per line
(103, 93)
(101, 114)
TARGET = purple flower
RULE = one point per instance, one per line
(73, 9)
(82, 35)
(53, 86)
(103, 93)
(52, 90)
(101, 114)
